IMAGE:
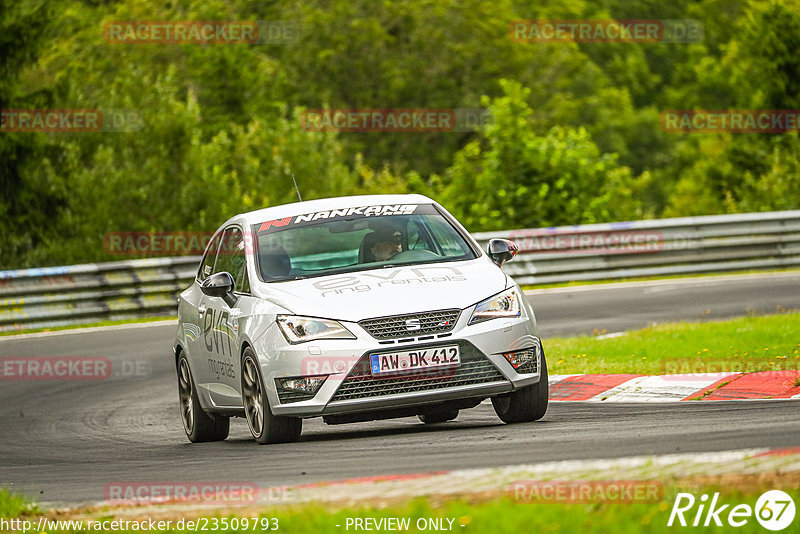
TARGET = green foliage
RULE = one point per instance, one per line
(517, 178)
(25, 200)
(13, 505)
(576, 135)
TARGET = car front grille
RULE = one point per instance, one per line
(287, 396)
(398, 326)
(475, 368)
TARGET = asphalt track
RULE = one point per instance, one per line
(579, 310)
(64, 441)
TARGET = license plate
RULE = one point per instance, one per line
(429, 358)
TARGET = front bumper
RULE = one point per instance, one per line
(350, 388)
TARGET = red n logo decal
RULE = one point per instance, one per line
(277, 222)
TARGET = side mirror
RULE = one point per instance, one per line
(501, 250)
(219, 285)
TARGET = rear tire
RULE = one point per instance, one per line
(526, 404)
(438, 417)
(265, 427)
(198, 425)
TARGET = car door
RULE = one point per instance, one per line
(191, 314)
(220, 323)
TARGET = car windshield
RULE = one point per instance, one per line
(354, 239)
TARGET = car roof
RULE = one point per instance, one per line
(323, 204)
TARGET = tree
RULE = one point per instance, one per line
(24, 203)
(512, 177)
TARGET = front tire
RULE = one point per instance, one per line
(526, 404)
(198, 425)
(265, 427)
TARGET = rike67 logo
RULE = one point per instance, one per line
(774, 510)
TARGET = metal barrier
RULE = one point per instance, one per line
(660, 247)
(78, 294)
(56, 296)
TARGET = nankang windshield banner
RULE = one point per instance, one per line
(343, 214)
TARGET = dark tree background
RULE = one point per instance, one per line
(576, 136)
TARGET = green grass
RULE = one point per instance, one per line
(90, 325)
(13, 505)
(763, 343)
(499, 515)
(505, 516)
(650, 278)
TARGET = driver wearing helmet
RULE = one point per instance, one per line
(384, 243)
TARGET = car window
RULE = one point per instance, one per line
(418, 237)
(243, 283)
(340, 241)
(232, 258)
(207, 264)
(446, 237)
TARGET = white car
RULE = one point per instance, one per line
(354, 309)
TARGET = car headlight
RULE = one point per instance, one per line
(301, 329)
(505, 304)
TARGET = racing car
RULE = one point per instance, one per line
(353, 309)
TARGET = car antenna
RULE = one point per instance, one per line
(296, 189)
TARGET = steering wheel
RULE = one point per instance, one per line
(413, 255)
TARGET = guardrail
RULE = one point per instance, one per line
(56, 296)
(660, 247)
(78, 294)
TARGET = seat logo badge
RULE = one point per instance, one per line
(413, 324)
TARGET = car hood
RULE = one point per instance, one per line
(389, 291)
